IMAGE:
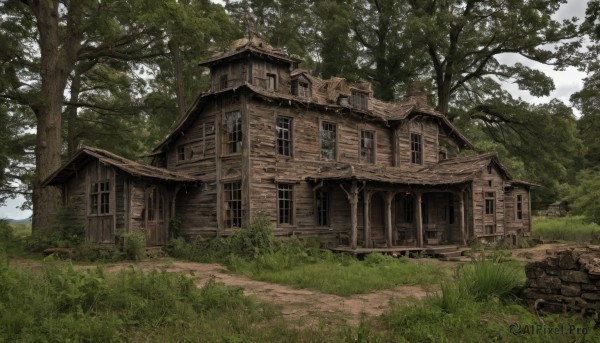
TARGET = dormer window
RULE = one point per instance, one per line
(301, 87)
(359, 100)
(271, 82)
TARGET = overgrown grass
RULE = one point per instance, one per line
(60, 304)
(341, 274)
(571, 228)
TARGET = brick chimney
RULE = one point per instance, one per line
(418, 91)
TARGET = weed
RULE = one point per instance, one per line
(571, 228)
(134, 245)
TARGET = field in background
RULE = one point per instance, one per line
(571, 228)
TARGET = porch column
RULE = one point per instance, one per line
(353, 197)
(462, 217)
(367, 217)
(388, 217)
(419, 219)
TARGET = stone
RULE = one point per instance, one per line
(552, 272)
(591, 296)
(570, 290)
(534, 272)
(573, 276)
(551, 282)
(567, 261)
(589, 287)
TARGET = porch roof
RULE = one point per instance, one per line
(448, 172)
(87, 154)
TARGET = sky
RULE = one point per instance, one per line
(566, 83)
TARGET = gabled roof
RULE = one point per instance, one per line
(252, 45)
(448, 172)
(88, 154)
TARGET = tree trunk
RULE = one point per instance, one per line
(175, 47)
(57, 58)
(71, 115)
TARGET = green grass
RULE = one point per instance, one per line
(572, 228)
(21, 229)
(341, 274)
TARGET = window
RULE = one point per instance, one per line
(416, 148)
(301, 88)
(328, 141)
(181, 153)
(271, 82)
(489, 203)
(233, 204)
(409, 209)
(519, 206)
(100, 198)
(359, 100)
(285, 203)
(223, 81)
(442, 155)
(367, 146)
(284, 136)
(489, 183)
(234, 132)
(322, 207)
(489, 229)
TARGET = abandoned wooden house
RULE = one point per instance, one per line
(318, 157)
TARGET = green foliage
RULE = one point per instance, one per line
(253, 241)
(68, 230)
(570, 228)
(134, 245)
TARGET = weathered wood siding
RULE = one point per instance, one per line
(428, 129)
(481, 185)
(513, 224)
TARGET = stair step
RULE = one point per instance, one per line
(456, 253)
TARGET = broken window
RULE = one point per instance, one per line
(233, 204)
(416, 148)
(284, 136)
(367, 146)
(233, 132)
(328, 141)
(285, 203)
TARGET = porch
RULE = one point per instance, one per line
(444, 251)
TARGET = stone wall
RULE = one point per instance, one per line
(566, 281)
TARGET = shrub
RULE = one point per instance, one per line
(255, 240)
(134, 245)
(68, 231)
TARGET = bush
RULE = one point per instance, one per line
(134, 245)
(255, 240)
(68, 231)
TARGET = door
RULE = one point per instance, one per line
(156, 218)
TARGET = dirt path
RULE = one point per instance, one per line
(300, 306)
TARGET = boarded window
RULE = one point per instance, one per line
(416, 148)
(284, 136)
(359, 100)
(489, 229)
(233, 204)
(489, 203)
(100, 198)
(322, 207)
(285, 203)
(367, 146)
(233, 134)
(328, 141)
(271, 82)
(519, 206)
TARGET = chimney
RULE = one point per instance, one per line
(418, 91)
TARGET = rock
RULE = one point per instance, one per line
(567, 260)
(573, 276)
(571, 290)
(534, 272)
(551, 282)
(589, 287)
(591, 296)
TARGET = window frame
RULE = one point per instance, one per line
(233, 207)
(100, 198)
(236, 137)
(322, 123)
(281, 140)
(372, 158)
(489, 201)
(181, 153)
(491, 227)
(320, 213)
(416, 148)
(272, 86)
(223, 81)
(291, 209)
(519, 207)
(359, 100)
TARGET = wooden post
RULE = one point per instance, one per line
(353, 199)
(461, 198)
(367, 217)
(388, 217)
(419, 219)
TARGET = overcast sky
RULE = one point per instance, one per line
(566, 82)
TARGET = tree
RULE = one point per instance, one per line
(463, 39)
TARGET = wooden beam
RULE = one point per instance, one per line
(461, 198)
(388, 216)
(419, 218)
(367, 217)
(353, 199)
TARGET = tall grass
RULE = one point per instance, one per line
(571, 228)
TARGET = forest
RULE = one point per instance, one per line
(118, 74)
